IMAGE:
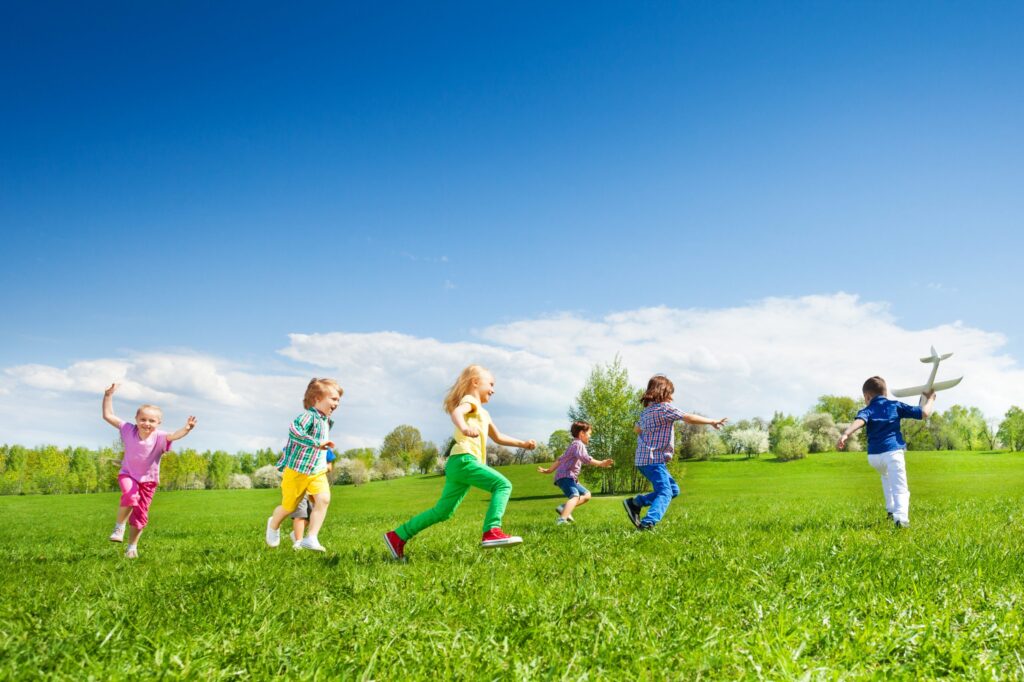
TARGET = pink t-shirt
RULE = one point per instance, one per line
(142, 457)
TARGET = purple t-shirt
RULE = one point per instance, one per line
(572, 461)
(142, 457)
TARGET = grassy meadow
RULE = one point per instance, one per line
(760, 570)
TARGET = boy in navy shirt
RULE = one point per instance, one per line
(886, 446)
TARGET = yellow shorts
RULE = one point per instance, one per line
(294, 485)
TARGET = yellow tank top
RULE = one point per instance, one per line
(479, 419)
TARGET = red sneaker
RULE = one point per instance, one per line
(496, 538)
(395, 544)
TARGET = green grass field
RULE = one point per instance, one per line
(760, 570)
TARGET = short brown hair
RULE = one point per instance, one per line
(659, 390)
(578, 427)
(875, 386)
(317, 389)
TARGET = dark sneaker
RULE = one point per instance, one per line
(496, 538)
(645, 526)
(632, 511)
(395, 544)
(889, 516)
(903, 524)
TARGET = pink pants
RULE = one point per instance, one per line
(137, 496)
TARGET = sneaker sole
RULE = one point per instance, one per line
(629, 512)
(116, 539)
(394, 554)
(501, 543)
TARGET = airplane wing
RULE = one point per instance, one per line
(918, 390)
(943, 385)
(907, 392)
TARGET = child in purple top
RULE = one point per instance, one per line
(567, 471)
(144, 445)
(655, 447)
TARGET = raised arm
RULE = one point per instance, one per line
(716, 424)
(927, 404)
(501, 439)
(108, 408)
(853, 428)
(183, 431)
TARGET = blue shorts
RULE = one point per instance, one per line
(571, 488)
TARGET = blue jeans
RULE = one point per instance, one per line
(571, 488)
(665, 488)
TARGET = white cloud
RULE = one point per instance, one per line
(773, 354)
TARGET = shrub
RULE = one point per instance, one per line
(193, 482)
(822, 430)
(386, 470)
(267, 477)
(751, 442)
(350, 472)
(792, 443)
(239, 482)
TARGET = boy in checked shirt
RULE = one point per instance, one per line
(567, 471)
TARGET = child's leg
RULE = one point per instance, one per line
(899, 486)
(129, 497)
(665, 488)
(140, 512)
(569, 506)
(481, 476)
(300, 518)
(299, 528)
(880, 464)
(321, 501)
(293, 489)
(455, 489)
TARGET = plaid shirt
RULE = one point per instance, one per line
(303, 453)
(572, 461)
(656, 443)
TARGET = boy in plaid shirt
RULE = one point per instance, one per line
(655, 447)
(304, 463)
(567, 471)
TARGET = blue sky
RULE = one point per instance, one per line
(189, 180)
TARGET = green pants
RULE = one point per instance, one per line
(461, 472)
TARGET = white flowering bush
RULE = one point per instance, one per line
(350, 472)
(239, 482)
(793, 443)
(266, 477)
(386, 470)
(751, 442)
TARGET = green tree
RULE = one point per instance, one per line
(558, 441)
(219, 467)
(402, 446)
(1011, 429)
(428, 458)
(842, 408)
(822, 431)
(779, 421)
(364, 455)
(612, 406)
(792, 442)
(47, 470)
(246, 462)
(83, 470)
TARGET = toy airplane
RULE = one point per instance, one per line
(932, 385)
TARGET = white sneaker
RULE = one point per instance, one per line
(311, 543)
(273, 536)
(561, 521)
(131, 552)
(118, 534)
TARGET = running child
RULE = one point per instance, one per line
(467, 464)
(139, 477)
(300, 517)
(886, 446)
(304, 463)
(655, 448)
(567, 471)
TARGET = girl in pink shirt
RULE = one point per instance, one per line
(144, 445)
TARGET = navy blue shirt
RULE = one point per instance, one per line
(882, 418)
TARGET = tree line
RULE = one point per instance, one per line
(607, 400)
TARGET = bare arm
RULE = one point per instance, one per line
(604, 463)
(542, 470)
(853, 428)
(458, 416)
(501, 439)
(108, 408)
(927, 404)
(716, 424)
(183, 431)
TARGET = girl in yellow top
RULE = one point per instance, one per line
(467, 464)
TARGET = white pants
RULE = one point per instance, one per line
(893, 470)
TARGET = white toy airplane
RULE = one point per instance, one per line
(932, 385)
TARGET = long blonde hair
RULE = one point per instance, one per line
(462, 386)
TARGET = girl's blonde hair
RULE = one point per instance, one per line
(149, 407)
(317, 389)
(462, 386)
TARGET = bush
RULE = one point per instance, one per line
(193, 482)
(350, 472)
(239, 482)
(267, 477)
(542, 453)
(751, 442)
(822, 430)
(386, 470)
(792, 443)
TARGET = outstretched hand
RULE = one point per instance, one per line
(842, 442)
(717, 425)
(190, 423)
(529, 445)
(110, 390)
